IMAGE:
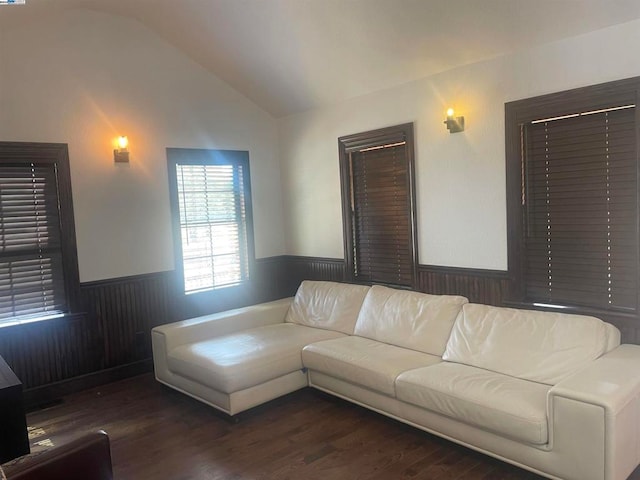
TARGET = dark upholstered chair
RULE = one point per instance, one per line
(85, 458)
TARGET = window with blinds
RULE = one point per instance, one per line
(572, 171)
(211, 196)
(378, 205)
(32, 237)
(581, 209)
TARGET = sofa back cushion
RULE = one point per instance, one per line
(542, 347)
(613, 337)
(328, 305)
(414, 320)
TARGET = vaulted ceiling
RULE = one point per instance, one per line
(292, 55)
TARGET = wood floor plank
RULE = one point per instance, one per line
(156, 433)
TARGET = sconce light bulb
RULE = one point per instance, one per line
(450, 112)
(123, 142)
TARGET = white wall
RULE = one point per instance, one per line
(83, 78)
(460, 177)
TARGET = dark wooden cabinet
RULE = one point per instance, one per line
(14, 439)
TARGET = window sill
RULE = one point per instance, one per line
(575, 310)
(219, 289)
(35, 322)
(210, 301)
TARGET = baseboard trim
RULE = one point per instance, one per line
(36, 398)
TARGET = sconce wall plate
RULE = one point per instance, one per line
(120, 157)
(454, 124)
(121, 154)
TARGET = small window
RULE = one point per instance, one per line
(38, 263)
(378, 205)
(211, 204)
(572, 168)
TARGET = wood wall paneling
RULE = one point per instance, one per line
(479, 286)
(113, 331)
(295, 269)
(491, 287)
(122, 313)
(111, 338)
(50, 351)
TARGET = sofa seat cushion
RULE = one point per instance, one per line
(241, 360)
(414, 320)
(368, 363)
(506, 405)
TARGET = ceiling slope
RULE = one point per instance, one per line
(292, 55)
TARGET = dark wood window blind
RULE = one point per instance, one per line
(381, 227)
(379, 200)
(34, 232)
(211, 194)
(581, 209)
(572, 186)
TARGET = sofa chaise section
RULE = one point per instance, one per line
(239, 359)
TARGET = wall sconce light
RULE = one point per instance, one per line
(454, 124)
(121, 154)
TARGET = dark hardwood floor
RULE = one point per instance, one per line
(159, 433)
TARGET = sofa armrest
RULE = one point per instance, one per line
(612, 381)
(85, 458)
(223, 323)
(609, 389)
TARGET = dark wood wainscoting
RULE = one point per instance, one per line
(111, 338)
(49, 351)
(122, 313)
(479, 286)
(296, 269)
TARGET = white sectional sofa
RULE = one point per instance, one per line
(553, 393)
